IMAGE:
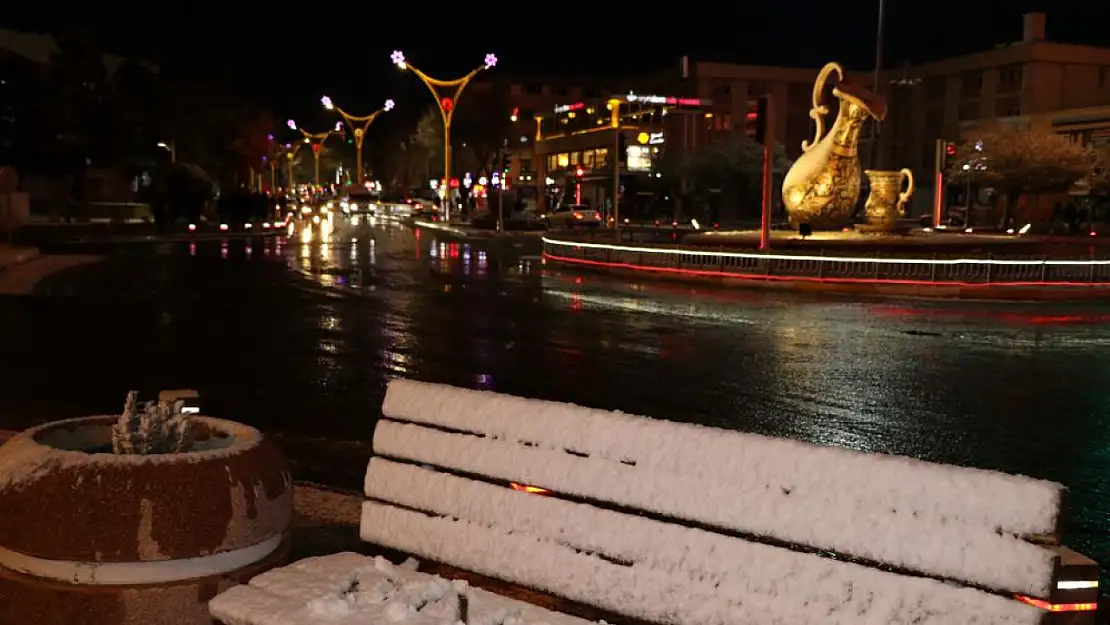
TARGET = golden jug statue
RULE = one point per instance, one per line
(822, 186)
(887, 202)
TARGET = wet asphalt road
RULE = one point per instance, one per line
(300, 337)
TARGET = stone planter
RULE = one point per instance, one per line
(87, 536)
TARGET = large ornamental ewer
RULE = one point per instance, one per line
(887, 202)
(822, 187)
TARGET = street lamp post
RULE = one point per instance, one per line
(447, 106)
(290, 154)
(316, 139)
(358, 126)
(171, 147)
(875, 155)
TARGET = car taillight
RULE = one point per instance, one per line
(597, 215)
(578, 215)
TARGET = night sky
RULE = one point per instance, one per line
(288, 55)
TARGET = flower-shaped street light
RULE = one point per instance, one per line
(316, 140)
(358, 124)
(447, 105)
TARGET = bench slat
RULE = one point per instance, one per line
(873, 482)
(780, 582)
(953, 548)
(681, 595)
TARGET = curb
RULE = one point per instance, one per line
(19, 255)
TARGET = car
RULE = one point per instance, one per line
(572, 216)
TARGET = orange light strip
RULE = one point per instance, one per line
(1057, 607)
(524, 488)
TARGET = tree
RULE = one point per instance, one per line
(728, 171)
(1026, 161)
(1019, 162)
(482, 122)
(424, 148)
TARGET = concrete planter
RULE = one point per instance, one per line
(88, 536)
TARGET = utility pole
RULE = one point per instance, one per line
(615, 123)
(874, 156)
(768, 174)
(501, 187)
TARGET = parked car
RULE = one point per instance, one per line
(572, 216)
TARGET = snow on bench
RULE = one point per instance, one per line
(689, 525)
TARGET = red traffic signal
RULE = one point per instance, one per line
(579, 171)
(950, 149)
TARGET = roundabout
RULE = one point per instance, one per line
(930, 265)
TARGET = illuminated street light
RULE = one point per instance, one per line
(359, 125)
(171, 147)
(447, 105)
(316, 139)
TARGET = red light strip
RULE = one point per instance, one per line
(767, 278)
(1057, 607)
(824, 259)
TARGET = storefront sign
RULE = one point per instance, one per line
(639, 158)
(660, 99)
(566, 108)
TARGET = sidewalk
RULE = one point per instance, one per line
(21, 268)
(13, 255)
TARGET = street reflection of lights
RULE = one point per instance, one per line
(223, 249)
(250, 248)
(291, 229)
(192, 249)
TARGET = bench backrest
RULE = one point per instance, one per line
(678, 523)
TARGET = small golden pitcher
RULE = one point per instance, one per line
(887, 202)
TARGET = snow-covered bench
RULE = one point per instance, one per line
(682, 524)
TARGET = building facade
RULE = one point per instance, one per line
(1029, 84)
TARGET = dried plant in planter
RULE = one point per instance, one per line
(160, 428)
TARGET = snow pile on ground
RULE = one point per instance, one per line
(350, 589)
(944, 521)
(648, 569)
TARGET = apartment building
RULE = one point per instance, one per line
(1032, 83)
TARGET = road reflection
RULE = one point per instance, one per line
(299, 335)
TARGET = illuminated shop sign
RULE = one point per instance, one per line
(639, 158)
(565, 108)
(662, 99)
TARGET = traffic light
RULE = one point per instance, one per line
(947, 155)
(755, 123)
(578, 171)
(505, 161)
(622, 148)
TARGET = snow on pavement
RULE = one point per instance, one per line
(348, 588)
